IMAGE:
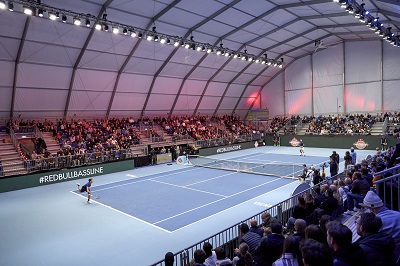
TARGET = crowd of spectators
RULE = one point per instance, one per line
(348, 124)
(205, 127)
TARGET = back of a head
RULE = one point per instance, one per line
(244, 228)
(324, 220)
(199, 256)
(315, 232)
(207, 247)
(220, 252)
(300, 225)
(340, 233)
(169, 259)
(364, 171)
(276, 228)
(290, 245)
(371, 224)
(244, 252)
(329, 192)
(316, 254)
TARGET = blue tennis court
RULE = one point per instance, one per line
(175, 199)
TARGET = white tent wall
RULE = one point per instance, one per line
(273, 96)
(370, 70)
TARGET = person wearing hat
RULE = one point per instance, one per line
(390, 219)
(169, 259)
(396, 153)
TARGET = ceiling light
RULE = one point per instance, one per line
(125, 31)
(97, 26)
(149, 37)
(176, 43)
(52, 16)
(133, 33)
(10, 6)
(2, 5)
(163, 40)
(28, 10)
(105, 27)
(140, 35)
(87, 23)
(187, 46)
(40, 13)
(64, 18)
(209, 50)
(115, 30)
(156, 38)
(235, 55)
(219, 52)
(77, 21)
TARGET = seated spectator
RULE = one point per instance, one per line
(169, 259)
(289, 253)
(339, 238)
(245, 258)
(199, 257)
(359, 190)
(315, 232)
(211, 257)
(378, 247)
(267, 219)
(330, 203)
(300, 212)
(255, 228)
(222, 260)
(390, 219)
(316, 254)
(270, 246)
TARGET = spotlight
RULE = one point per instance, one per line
(115, 29)
(250, 59)
(125, 31)
(28, 10)
(57, 14)
(156, 38)
(187, 46)
(2, 5)
(176, 43)
(52, 16)
(235, 56)
(203, 48)
(87, 23)
(219, 52)
(198, 48)
(133, 33)
(105, 27)
(40, 13)
(10, 6)
(77, 21)
(163, 40)
(140, 35)
(209, 50)
(168, 41)
(257, 61)
(97, 26)
(64, 18)
(149, 37)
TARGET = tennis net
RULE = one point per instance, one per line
(287, 170)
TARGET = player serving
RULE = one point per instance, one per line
(86, 188)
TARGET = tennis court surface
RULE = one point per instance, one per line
(175, 199)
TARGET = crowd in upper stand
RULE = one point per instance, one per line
(331, 124)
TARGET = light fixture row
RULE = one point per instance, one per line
(364, 16)
(36, 8)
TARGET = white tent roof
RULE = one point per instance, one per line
(50, 68)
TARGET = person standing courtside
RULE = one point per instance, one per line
(301, 145)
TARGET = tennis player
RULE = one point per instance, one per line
(86, 188)
(302, 148)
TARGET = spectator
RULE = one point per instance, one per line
(289, 252)
(390, 219)
(211, 257)
(199, 257)
(250, 238)
(270, 246)
(347, 160)
(300, 212)
(267, 219)
(359, 190)
(245, 257)
(330, 203)
(169, 259)
(396, 153)
(316, 254)
(333, 166)
(378, 247)
(315, 232)
(222, 260)
(339, 238)
(255, 228)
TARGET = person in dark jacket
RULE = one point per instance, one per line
(339, 238)
(255, 228)
(358, 191)
(271, 246)
(377, 247)
(333, 166)
(330, 203)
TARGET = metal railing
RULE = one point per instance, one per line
(388, 188)
(70, 161)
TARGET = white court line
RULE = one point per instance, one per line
(190, 188)
(229, 208)
(216, 201)
(212, 178)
